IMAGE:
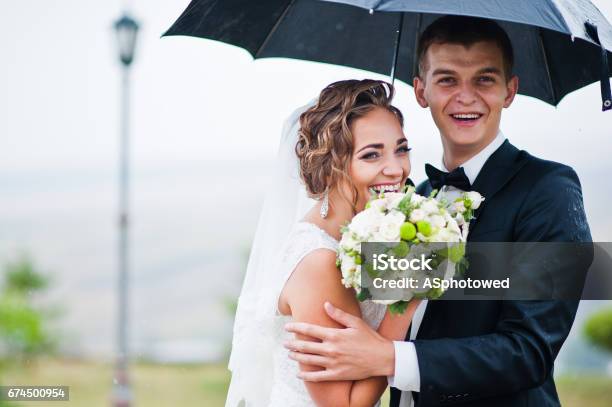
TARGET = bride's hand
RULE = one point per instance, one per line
(352, 353)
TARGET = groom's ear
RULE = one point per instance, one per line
(419, 91)
(512, 89)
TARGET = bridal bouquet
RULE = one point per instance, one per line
(407, 226)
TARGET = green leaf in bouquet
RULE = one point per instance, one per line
(364, 294)
(462, 266)
(358, 259)
(467, 202)
(401, 249)
(433, 193)
(420, 296)
(338, 262)
(436, 259)
(408, 231)
(436, 292)
(468, 215)
(405, 205)
(369, 268)
(398, 308)
(443, 252)
(456, 252)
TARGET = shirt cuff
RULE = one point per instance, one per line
(407, 376)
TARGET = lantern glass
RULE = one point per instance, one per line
(126, 30)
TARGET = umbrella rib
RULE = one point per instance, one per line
(398, 40)
(415, 59)
(547, 67)
(273, 30)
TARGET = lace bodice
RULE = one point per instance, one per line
(287, 389)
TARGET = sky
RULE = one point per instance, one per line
(206, 121)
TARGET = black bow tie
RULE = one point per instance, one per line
(455, 178)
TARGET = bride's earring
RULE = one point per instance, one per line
(325, 204)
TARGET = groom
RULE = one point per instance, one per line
(476, 353)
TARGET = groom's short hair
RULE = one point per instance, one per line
(465, 31)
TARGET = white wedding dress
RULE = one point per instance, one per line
(287, 389)
(262, 373)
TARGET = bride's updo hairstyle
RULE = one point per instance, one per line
(325, 141)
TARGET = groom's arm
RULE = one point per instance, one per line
(520, 354)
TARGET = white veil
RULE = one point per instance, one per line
(253, 342)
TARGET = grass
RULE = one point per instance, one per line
(153, 384)
(588, 391)
(157, 385)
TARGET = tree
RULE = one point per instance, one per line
(23, 325)
(598, 329)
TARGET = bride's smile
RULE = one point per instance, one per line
(380, 161)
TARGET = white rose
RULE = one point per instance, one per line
(445, 235)
(475, 197)
(416, 199)
(390, 226)
(353, 278)
(347, 266)
(430, 206)
(459, 219)
(348, 241)
(349, 282)
(393, 199)
(437, 221)
(447, 217)
(379, 204)
(459, 206)
(346, 262)
(366, 222)
(453, 226)
(417, 215)
(385, 235)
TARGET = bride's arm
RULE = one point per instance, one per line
(394, 328)
(314, 281)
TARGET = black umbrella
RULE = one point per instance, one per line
(560, 45)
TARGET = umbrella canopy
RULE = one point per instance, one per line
(559, 45)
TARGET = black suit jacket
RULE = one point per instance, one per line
(501, 353)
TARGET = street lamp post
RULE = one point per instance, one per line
(126, 30)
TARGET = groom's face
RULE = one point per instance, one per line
(466, 89)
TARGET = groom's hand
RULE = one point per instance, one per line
(352, 353)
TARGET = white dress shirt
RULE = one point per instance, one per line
(407, 377)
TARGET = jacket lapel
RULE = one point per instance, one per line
(497, 171)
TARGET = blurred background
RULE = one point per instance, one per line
(205, 121)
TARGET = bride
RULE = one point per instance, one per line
(349, 142)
